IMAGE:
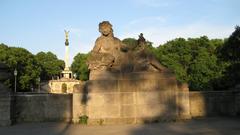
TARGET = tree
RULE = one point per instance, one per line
(50, 65)
(193, 61)
(230, 53)
(25, 63)
(79, 66)
(130, 42)
(230, 50)
(176, 55)
(3, 52)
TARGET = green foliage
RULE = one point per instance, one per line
(83, 119)
(7, 83)
(3, 52)
(29, 67)
(130, 42)
(230, 54)
(79, 66)
(194, 61)
(25, 63)
(50, 65)
(230, 50)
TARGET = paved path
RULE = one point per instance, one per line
(210, 126)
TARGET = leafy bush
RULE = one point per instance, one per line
(83, 119)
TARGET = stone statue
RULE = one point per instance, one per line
(107, 51)
(66, 34)
(110, 55)
(141, 40)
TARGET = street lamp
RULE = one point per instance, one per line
(15, 74)
(39, 81)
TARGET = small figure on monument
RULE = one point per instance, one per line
(66, 34)
(141, 40)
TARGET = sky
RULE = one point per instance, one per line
(38, 25)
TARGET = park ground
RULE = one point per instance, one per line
(207, 126)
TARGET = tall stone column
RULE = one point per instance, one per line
(66, 73)
(66, 58)
(66, 51)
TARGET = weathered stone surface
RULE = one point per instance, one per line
(101, 85)
(127, 98)
(183, 104)
(132, 100)
(5, 97)
(43, 107)
(5, 109)
(197, 104)
(120, 107)
(212, 103)
(128, 111)
(237, 103)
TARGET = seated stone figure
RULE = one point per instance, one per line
(107, 52)
(110, 55)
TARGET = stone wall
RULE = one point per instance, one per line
(43, 107)
(216, 103)
(5, 97)
(114, 107)
(5, 110)
(237, 104)
(118, 106)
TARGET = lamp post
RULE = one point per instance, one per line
(39, 81)
(15, 74)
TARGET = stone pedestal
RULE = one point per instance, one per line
(132, 98)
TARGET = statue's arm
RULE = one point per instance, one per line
(97, 46)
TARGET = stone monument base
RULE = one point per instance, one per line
(131, 98)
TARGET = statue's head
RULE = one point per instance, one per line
(105, 27)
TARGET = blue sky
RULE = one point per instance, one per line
(38, 25)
